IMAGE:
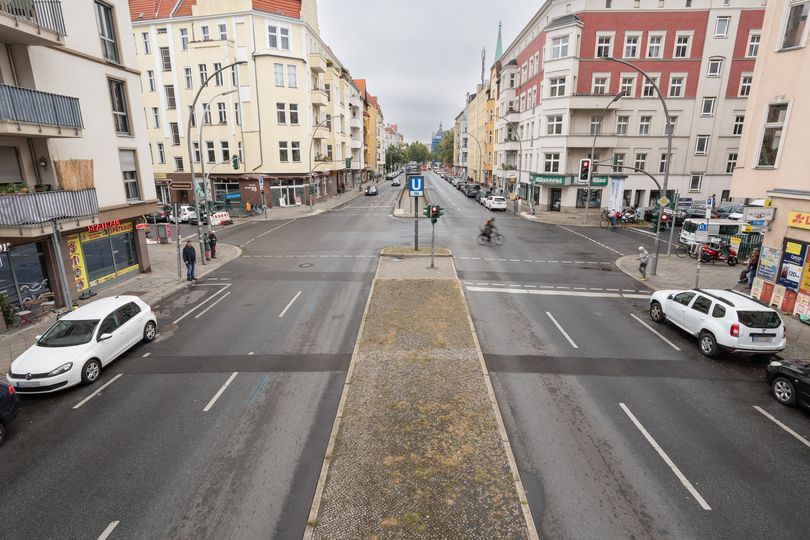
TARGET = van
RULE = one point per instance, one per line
(725, 227)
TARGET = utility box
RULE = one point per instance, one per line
(164, 232)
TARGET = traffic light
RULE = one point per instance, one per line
(426, 210)
(235, 162)
(584, 169)
(435, 213)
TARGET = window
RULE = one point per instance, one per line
(559, 48)
(719, 311)
(702, 304)
(745, 85)
(618, 162)
(178, 163)
(631, 46)
(203, 69)
(673, 123)
(210, 151)
(676, 86)
(283, 152)
(281, 113)
(225, 149)
(189, 77)
(161, 31)
(106, 30)
(655, 46)
(237, 114)
(272, 36)
(702, 145)
(328, 89)
(644, 123)
(627, 86)
(207, 115)
(715, 67)
(329, 155)
(684, 298)
(681, 46)
(175, 131)
(129, 169)
(554, 124)
(695, 181)
(192, 120)
(600, 85)
(662, 163)
(721, 27)
(222, 113)
(796, 26)
(557, 87)
(294, 114)
(551, 164)
(603, 46)
(218, 77)
(155, 117)
(648, 90)
(171, 102)
(292, 76)
(206, 33)
(239, 150)
(595, 124)
(285, 39)
(184, 39)
(118, 96)
(161, 153)
(641, 162)
(738, 124)
(296, 151)
(772, 134)
(731, 162)
(753, 45)
(166, 59)
(234, 76)
(145, 38)
(196, 152)
(622, 121)
(278, 69)
(150, 80)
(707, 107)
(223, 31)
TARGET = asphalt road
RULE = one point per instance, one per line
(219, 427)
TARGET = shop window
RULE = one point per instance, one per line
(595, 199)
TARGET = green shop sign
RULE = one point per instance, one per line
(550, 179)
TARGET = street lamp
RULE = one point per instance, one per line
(311, 160)
(520, 147)
(206, 109)
(594, 163)
(191, 153)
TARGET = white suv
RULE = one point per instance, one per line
(721, 320)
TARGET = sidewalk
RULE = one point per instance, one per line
(679, 273)
(152, 287)
(292, 212)
(572, 218)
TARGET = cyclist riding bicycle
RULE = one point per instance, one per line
(489, 227)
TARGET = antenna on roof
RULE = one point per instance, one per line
(483, 63)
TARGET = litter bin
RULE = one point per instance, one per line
(164, 231)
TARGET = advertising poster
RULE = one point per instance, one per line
(77, 267)
(777, 296)
(790, 270)
(767, 291)
(802, 304)
(768, 263)
(789, 302)
(804, 284)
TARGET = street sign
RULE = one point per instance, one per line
(261, 182)
(702, 233)
(710, 203)
(663, 201)
(416, 185)
(684, 202)
(180, 184)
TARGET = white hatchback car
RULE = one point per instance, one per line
(496, 203)
(77, 346)
(186, 213)
(721, 320)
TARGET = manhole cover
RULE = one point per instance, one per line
(304, 265)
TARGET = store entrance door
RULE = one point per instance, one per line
(555, 199)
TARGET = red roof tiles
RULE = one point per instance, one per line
(141, 10)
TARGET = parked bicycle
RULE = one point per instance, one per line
(691, 249)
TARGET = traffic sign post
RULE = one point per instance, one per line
(416, 187)
(702, 236)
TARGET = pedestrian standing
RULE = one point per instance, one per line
(753, 262)
(190, 259)
(516, 205)
(643, 259)
(213, 239)
(207, 246)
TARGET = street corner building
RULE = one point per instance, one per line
(75, 173)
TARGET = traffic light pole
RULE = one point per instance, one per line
(432, 245)
(616, 98)
(415, 223)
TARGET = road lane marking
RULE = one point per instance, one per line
(108, 531)
(592, 240)
(221, 298)
(639, 296)
(259, 389)
(280, 315)
(97, 392)
(560, 328)
(654, 331)
(276, 228)
(547, 292)
(783, 426)
(145, 355)
(246, 243)
(220, 391)
(201, 304)
(666, 459)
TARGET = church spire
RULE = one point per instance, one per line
(498, 46)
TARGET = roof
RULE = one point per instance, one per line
(99, 309)
(563, 21)
(141, 10)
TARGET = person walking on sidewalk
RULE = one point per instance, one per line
(643, 259)
(207, 246)
(213, 239)
(190, 259)
(516, 204)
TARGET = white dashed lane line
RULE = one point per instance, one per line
(591, 240)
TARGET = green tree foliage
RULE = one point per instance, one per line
(418, 152)
(394, 157)
(445, 151)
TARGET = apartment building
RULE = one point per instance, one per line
(773, 158)
(373, 131)
(460, 142)
(75, 173)
(553, 83)
(271, 93)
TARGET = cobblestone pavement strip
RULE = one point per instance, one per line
(418, 453)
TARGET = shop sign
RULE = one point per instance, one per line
(141, 226)
(768, 263)
(597, 181)
(101, 226)
(790, 272)
(799, 220)
(77, 262)
(109, 231)
(4, 247)
(753, 213)
(548, 179)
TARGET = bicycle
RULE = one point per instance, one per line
(494, 238)
(606, 222)
(682, 250)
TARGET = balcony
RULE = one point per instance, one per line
(317, 63)
(31, 22)
(589, 101)
(356, 144)
(319, 97)
(31, 113)
(356, 122)
(321, 133)
(512, 115)
(509, 145)
(26, 209)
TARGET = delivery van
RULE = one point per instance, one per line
(725, 227)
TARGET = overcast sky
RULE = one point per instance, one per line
(420, 57)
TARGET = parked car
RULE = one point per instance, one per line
(790, 382)
(162, 214)
(496, 202)
(482, 195)
(186, 212)
(78, 346)
(730, 211)
(651, 215)
(9, 407)
(722, 320)
(698, 212)
(472, 189)
(396, 182)
(371, 190)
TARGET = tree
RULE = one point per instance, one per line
(394, 157)
(445, 151)
(418, 152)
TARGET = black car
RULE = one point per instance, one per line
(651, 214)
(9, 407)
(790, 382)
(162, 214)
(471, 190)
(371, 190)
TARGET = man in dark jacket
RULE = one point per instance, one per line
(213, 239)
(189, 258)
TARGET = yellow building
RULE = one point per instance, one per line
(478, 113)
(372, 120)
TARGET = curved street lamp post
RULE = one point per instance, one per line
(207, 109)
(594, 162)
(312, 165)
(480, 156)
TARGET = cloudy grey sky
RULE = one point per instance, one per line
(420, 57)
